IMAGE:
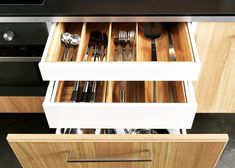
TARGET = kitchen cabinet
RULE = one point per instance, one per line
(22, 89)
(121, 150)
(215, 86)
(146, 151)
(19, 104)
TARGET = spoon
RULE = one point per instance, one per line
(153, 31)
(65, 41)
(75, 41)
(131, 40)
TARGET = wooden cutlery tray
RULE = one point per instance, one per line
(139, 111)
(185, 67)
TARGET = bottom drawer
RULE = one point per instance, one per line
(118, 151)
(175, 107)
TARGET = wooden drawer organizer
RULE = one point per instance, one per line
(186, 66)
(137, 112)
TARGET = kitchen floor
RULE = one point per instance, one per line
(36, 123)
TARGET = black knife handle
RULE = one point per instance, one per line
(84, 97)
(93, 96)
(74, 96)
(154, 51)
(93, 92)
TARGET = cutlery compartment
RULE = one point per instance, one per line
(65, 89)
(120, 38)
(142, 92)
(184, 66)
(181, 41)
(87, 43)
(135, 112)
(56, 48)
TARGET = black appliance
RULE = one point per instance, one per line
(54, 8)
(21, 48)
(22, 2)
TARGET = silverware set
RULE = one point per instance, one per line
(98, 41)
(69, 40)
(121, 40)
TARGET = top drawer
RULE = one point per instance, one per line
(138, 64)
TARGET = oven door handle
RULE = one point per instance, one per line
(20, 59)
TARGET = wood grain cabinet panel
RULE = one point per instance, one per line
(215, 88)
(148, 151)
(21, 104)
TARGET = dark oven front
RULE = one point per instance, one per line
(21, 48)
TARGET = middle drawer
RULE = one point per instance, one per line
(175, 106)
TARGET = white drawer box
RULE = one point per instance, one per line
(107, 112)
(186, 66)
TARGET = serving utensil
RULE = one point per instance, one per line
(152, 31)
(172, 54)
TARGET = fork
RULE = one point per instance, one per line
(116, 43)
(122, 39)
(131, 40)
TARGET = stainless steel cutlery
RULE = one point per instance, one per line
(98, 131)
(122, 39)
(172, 54)
(131, 42)
(69, 40)
(65, 41)
(75, 41)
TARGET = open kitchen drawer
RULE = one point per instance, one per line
(175, 107)
(186, 65)
(118, 151)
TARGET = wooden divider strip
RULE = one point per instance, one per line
(59, 94)
(55, 42)
(110, 43)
